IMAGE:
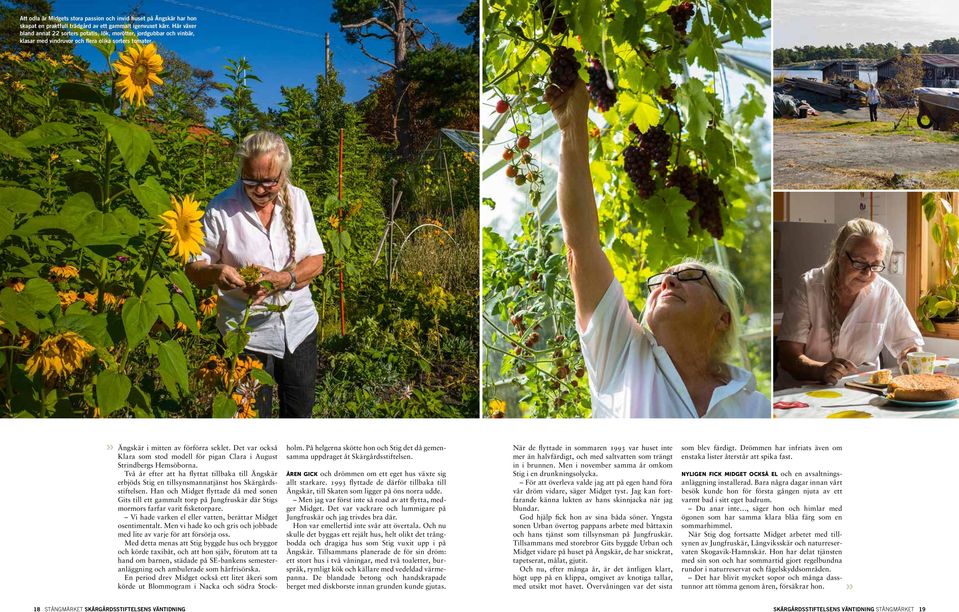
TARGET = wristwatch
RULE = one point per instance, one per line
(292, 285)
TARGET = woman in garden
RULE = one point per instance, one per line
(670, 364)
(842, 314)
(264, 221)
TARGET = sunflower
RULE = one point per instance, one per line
(208, 306)
(59, 356)
(243, 367)
(244, 396)
(213, 372)
(250, 274)
(67, 298)
(62, 273)
(182, 227)
(16, 284)
(137, 67)
(109, 300)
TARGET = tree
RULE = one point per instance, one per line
(384, 20)
(470, 20)
(10, 13)
(193, 87)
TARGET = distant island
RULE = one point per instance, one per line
(814, 58)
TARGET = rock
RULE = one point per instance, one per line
(899, 181)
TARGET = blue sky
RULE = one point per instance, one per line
(284, 46)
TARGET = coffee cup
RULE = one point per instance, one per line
(918, 362)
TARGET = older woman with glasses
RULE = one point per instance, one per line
(842, 314)
(264, 221)
(671, 364)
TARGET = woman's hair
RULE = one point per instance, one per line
(854, 228)
(730, 290)
(267, 143)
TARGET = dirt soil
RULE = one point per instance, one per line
(823, 152)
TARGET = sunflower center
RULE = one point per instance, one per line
(140, 75)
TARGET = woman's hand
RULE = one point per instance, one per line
(571, 107)
(836, 368)
(280, 281)
(906, 351)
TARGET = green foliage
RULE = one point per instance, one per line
(242, 114)
(942, 300)
(97, 319)
(525, 276)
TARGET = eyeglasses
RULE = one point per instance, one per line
(687, 274)
(862, 265)
(268, 183)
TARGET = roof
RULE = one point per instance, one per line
(941, 60)
(937, 60)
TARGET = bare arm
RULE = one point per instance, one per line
(203, 274)
(793, 359)
(305, 271)
(589, 269)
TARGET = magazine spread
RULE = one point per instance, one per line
(498, 254)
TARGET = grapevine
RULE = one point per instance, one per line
(666, 188)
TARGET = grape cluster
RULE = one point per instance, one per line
(684, 179)
(699, 189)
(681, 14)
(667, 93)
(559, 26)
(563, 68)
(658, 143)
(708, 206)
(654, 147)
(638, 165)
(600, 87)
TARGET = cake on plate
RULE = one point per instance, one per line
(923, 388)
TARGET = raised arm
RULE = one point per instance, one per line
(589, 268)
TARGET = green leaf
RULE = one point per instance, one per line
(81, 92)
(112, 391)
(156, 291)
(692, 98)
(138, 318)
(262, 376)
(173, 368)
(180, 280)
(49, 134)
(235, 341)
(184, 313)
(6, 223)
(12, 147)
(166, 314)
(93, 328)
(18, 200)
(223, 407)
(151, 196)
(40, 295)
(944, 307)
(133, 141)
